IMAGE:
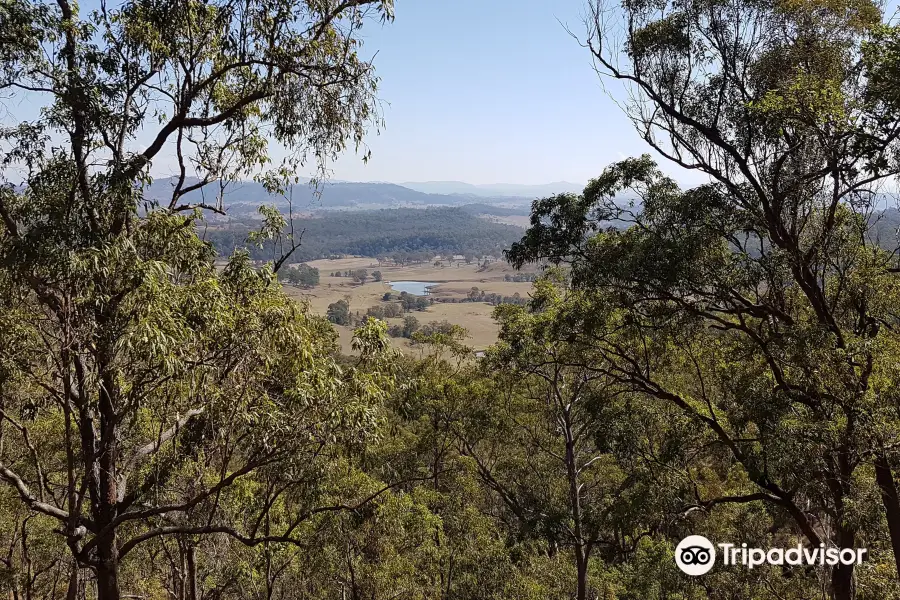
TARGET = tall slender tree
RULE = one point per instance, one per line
(159, 381)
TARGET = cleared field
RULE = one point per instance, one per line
(344, 263)
(517, 220)
(452, 282)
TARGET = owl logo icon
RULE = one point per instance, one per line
(695, 555)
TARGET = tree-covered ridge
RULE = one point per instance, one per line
(382, 232)
(242, 198)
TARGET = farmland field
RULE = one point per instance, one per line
(450, 282)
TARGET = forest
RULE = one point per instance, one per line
(401, 231)
(723, 363)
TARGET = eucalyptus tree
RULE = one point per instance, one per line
(695, 307)
(545, 453)
(141, 384)
(790, 109)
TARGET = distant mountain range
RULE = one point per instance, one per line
(245, 196)
(495, 189)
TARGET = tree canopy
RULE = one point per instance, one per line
(721, 361)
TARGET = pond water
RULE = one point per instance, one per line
(416, 288)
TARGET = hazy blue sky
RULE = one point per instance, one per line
(481, 91)
(487, 91)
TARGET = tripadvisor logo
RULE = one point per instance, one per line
(696, 555)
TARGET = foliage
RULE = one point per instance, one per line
(339, 312)
(411, 302)
(407, 329)
(360, 275)
(391, 310)
(302, 275)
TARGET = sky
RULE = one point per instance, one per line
(492, 91)
(479, 91)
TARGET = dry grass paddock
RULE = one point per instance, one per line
(451, 281)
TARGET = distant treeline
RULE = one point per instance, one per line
(477, 295)
(380, 232)
(489, 209)
(521, 277)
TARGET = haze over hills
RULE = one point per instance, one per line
(494, 189)
(245, 196)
